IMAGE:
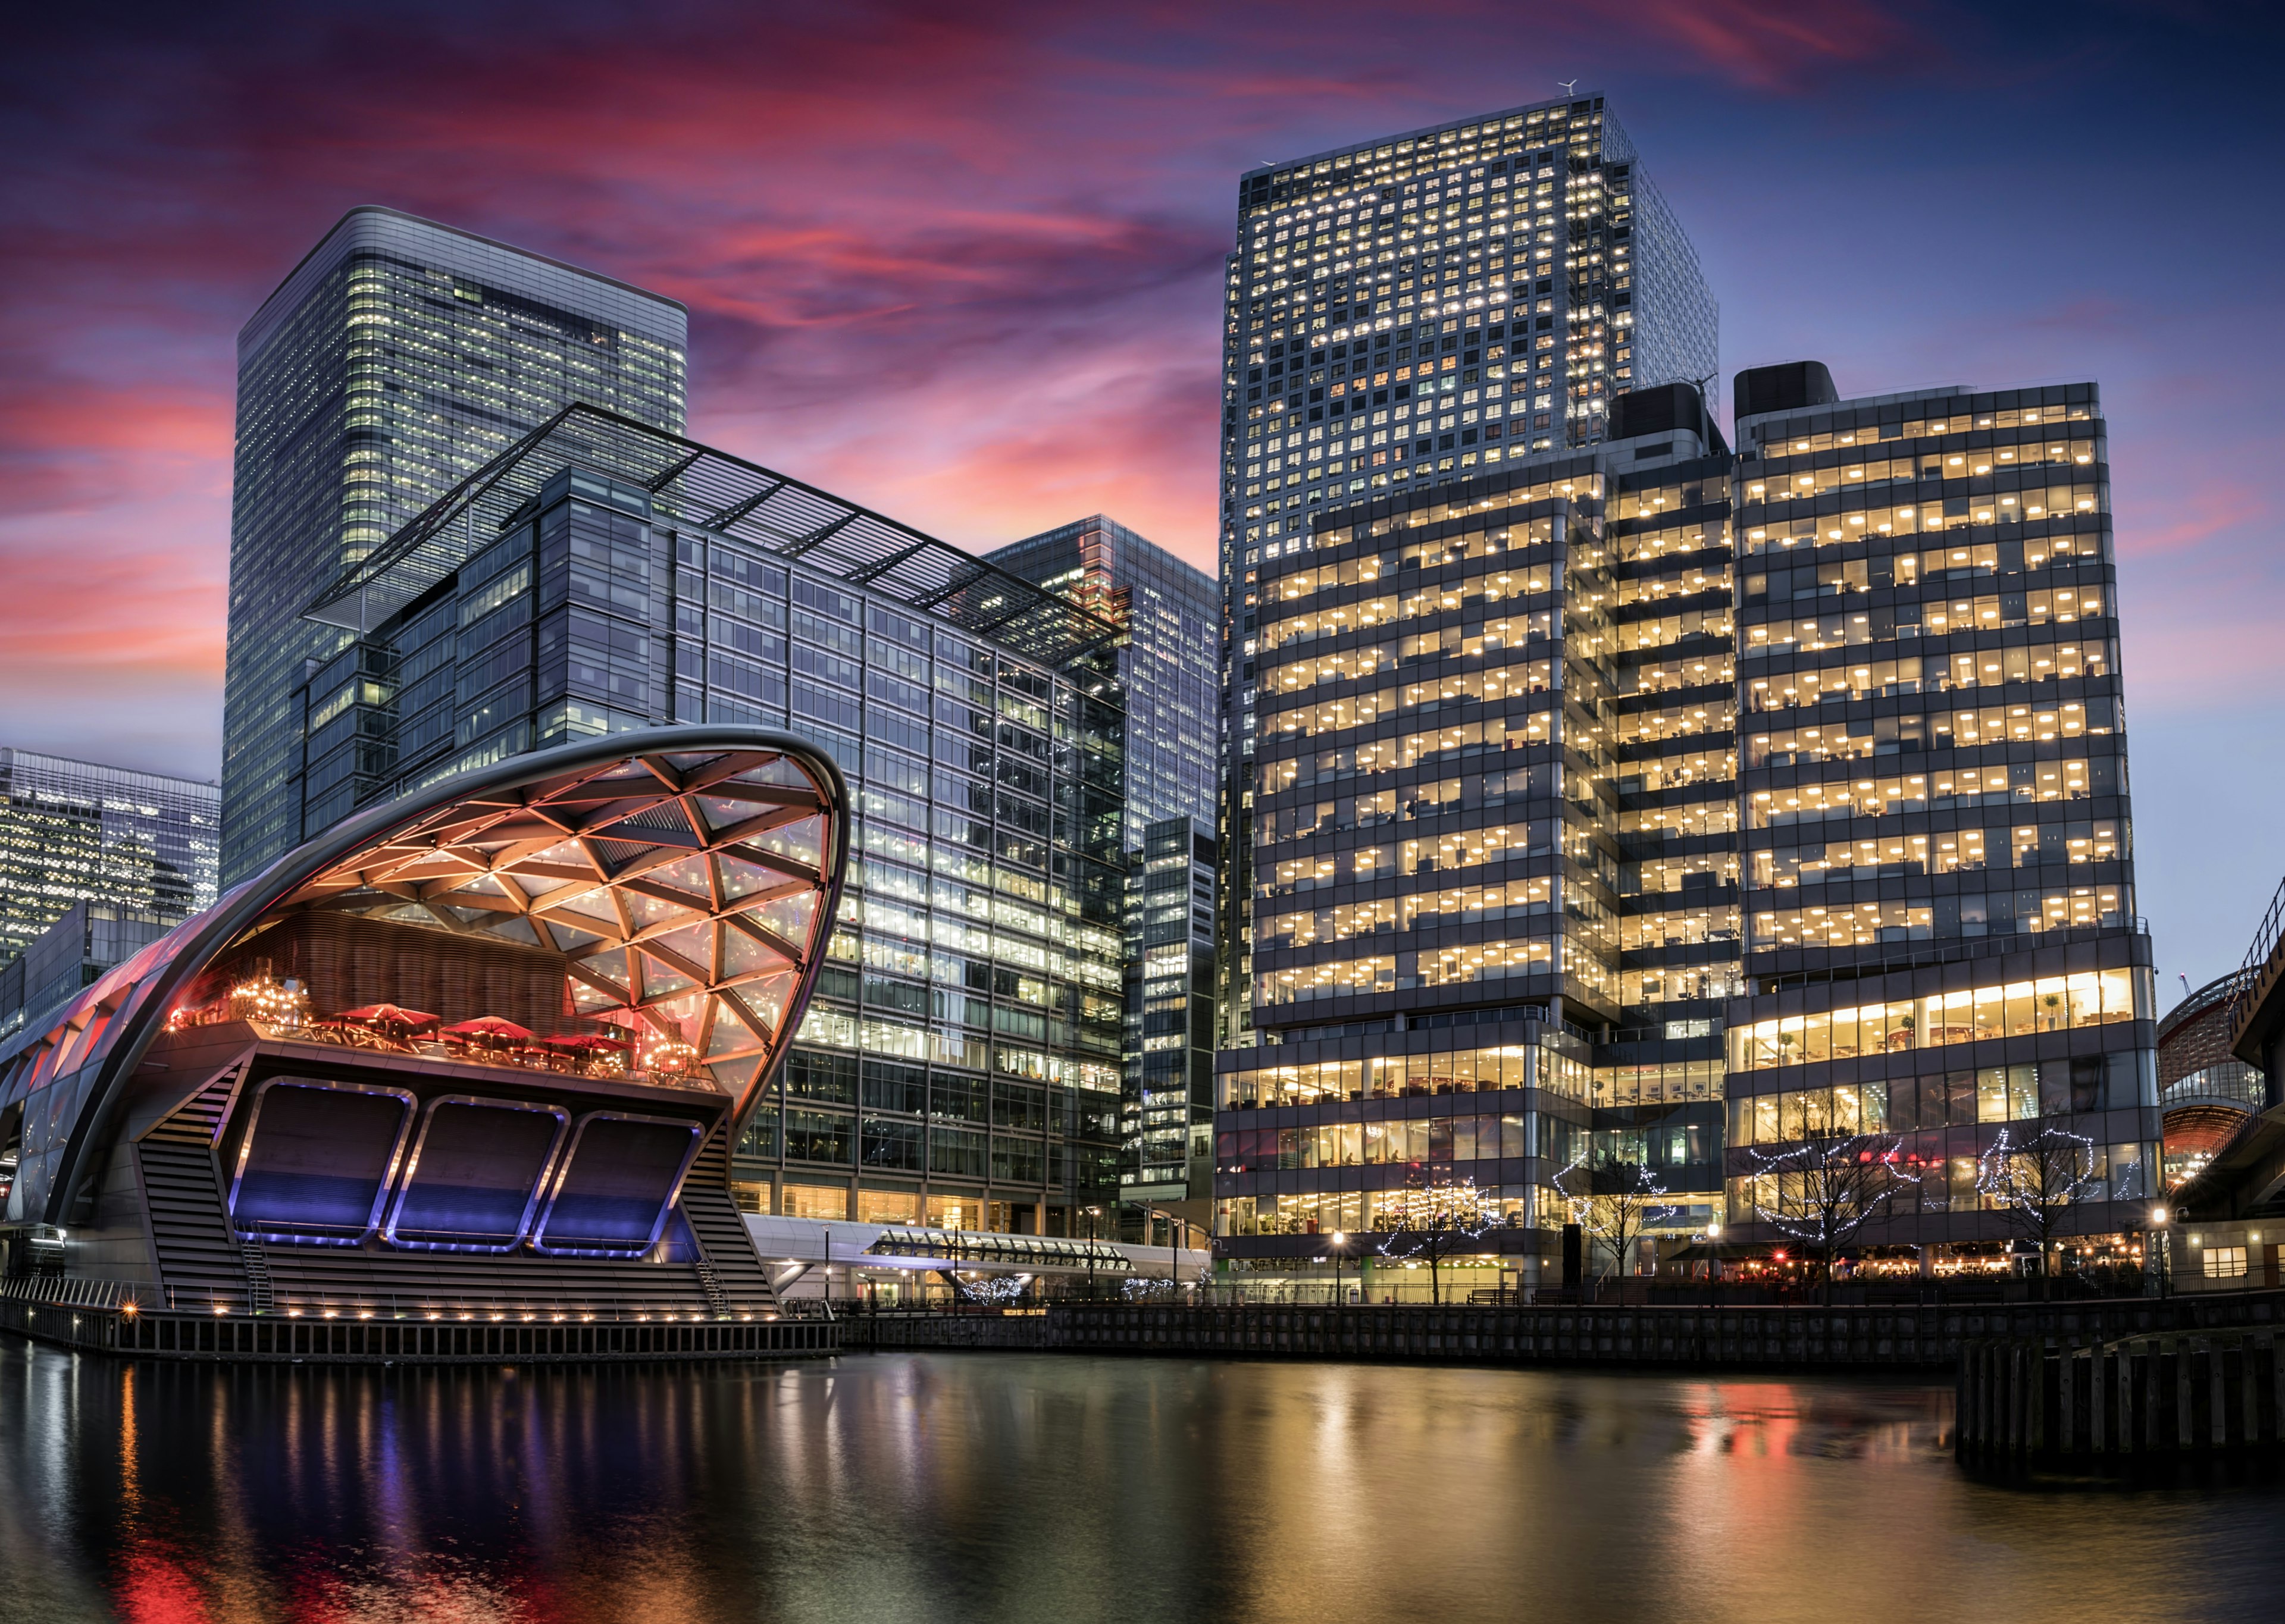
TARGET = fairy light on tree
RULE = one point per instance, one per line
(1825, 1188)
(1614, 1202)
(2033, 1181)
(1432, 1223)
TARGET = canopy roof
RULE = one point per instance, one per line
(686, 877)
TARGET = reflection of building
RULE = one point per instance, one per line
(961, 1065)
(1167, 612)
(73, 832)
(1402, 314)
(2206, 1093)
(70, 954)
(393, 360)
(1617, 791)
(472, 1057)
(1170, 1024)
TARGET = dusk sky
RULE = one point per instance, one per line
(962, 263)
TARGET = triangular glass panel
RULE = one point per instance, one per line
(587, 999)
(654, 910)
(730, 1035)
(783, 769)
(611, 966)
(515, 927)
(695, 943)
(740, 878)
(803, 840)
(595, 905)
(768, 999)
(789, 916)
(688, 873)
(660, 977)
(567, 939)
(735, 1076)
(742, 955)
(721, 813)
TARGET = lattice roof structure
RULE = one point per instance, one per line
(694, 486)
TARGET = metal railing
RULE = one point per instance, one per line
(2256, 960)
(149, 1297)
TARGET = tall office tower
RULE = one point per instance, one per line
(1658, 1078)
(396, 358)
(960, 1062)
(1653, 813)
(1434, 877)
(73, 832)
(1170, 614)
(1168, 1115)
(1408, 312)
(1939, 889)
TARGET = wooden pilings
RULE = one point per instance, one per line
(2046, 1399)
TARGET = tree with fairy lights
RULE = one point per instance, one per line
(1614, 1202)
(2032, 1181)
(1825, 1187)
(1432, 1223)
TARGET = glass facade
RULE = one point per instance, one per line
(1409, 312)
(1170, 1020)
(398, 357)
(73, 832)
(959, 1065)
(1658, 809)
(1170, 613)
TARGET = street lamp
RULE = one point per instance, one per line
(2158, 1218)
(1341, 1244)
(1713, 1260)
(1093, 1235)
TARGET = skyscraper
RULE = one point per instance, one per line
(1409, 311)
(960, 1065)
(1167, 658)
(1168, 651)
(396, 358)
(73, 832)
(1653, 813)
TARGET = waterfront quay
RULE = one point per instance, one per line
(1921, 1337)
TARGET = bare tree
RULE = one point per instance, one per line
(1435, 1223)
(1614, 1202)
(1824, 1188)
(2033, 1181)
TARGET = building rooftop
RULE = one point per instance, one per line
(697, 486)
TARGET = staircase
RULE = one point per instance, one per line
(257, 1274)
(709, 1283)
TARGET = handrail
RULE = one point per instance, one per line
(150, 1297)
(2257, 959)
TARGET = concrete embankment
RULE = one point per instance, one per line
(1905, 1338)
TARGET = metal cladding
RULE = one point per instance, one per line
(686, 877)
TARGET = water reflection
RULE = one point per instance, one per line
(1017, 1487)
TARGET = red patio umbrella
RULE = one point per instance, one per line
(490, 1026)
(389, 1015)
(583, 1041)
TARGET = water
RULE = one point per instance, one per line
(1015, 1487)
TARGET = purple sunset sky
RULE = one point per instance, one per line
(962, 263)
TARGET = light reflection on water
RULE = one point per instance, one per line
(1005, 1487)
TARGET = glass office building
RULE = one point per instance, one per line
(1171, 1025)
(1654, 809)
(959, 1063)
(1170, 614)
(1412, 311)
(74, 832)
(1937, 872)
(397, 357)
